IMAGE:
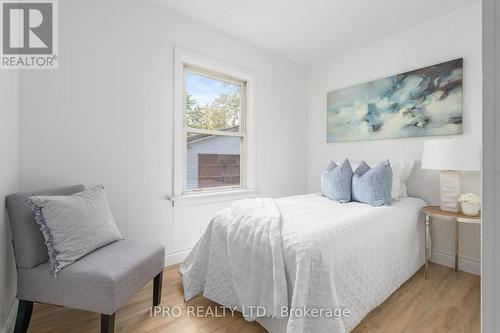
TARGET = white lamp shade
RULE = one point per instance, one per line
(451, 154)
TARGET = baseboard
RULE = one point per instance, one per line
(8, 325)
(464, 264)
(176, 257)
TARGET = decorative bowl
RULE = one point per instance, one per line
(470, 208)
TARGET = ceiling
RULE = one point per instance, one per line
(307, 31)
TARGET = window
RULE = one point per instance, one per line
(213, 147)
(214, 123)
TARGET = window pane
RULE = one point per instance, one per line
(212, 161)
(210, 103)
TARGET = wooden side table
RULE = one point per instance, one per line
(436, 212)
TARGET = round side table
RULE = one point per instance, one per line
(432, 212)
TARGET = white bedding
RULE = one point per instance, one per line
(334, 256)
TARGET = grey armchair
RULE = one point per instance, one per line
(101, 282)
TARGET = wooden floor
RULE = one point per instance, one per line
(447, 302)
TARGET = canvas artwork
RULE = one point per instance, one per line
(426, 101)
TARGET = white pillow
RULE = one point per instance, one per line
(396, 180)
(406, 169)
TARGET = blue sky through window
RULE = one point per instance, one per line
(204, 89)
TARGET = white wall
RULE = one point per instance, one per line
(454, 35)
(8, 184)
(105, 116)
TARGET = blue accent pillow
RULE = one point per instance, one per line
(372, 185)
(336, 181)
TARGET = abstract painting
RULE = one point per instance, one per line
(426, 101)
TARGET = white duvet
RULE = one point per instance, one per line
(304, 258)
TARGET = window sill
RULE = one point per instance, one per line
(191, 199)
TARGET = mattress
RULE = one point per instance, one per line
(336, 259)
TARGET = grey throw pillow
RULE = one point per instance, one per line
(372, 185)
(74, 225)
(336, 181)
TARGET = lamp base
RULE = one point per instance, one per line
(450, 186)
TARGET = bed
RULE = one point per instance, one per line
(306, 263)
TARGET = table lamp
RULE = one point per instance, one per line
(451, 156)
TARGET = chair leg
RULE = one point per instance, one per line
(107, 323)
(157, 289)
(23, 316)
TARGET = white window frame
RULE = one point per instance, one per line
(186, 59)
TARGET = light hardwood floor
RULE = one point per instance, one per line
(447, 302)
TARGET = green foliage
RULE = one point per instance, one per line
(221, 113)
(194, 114)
